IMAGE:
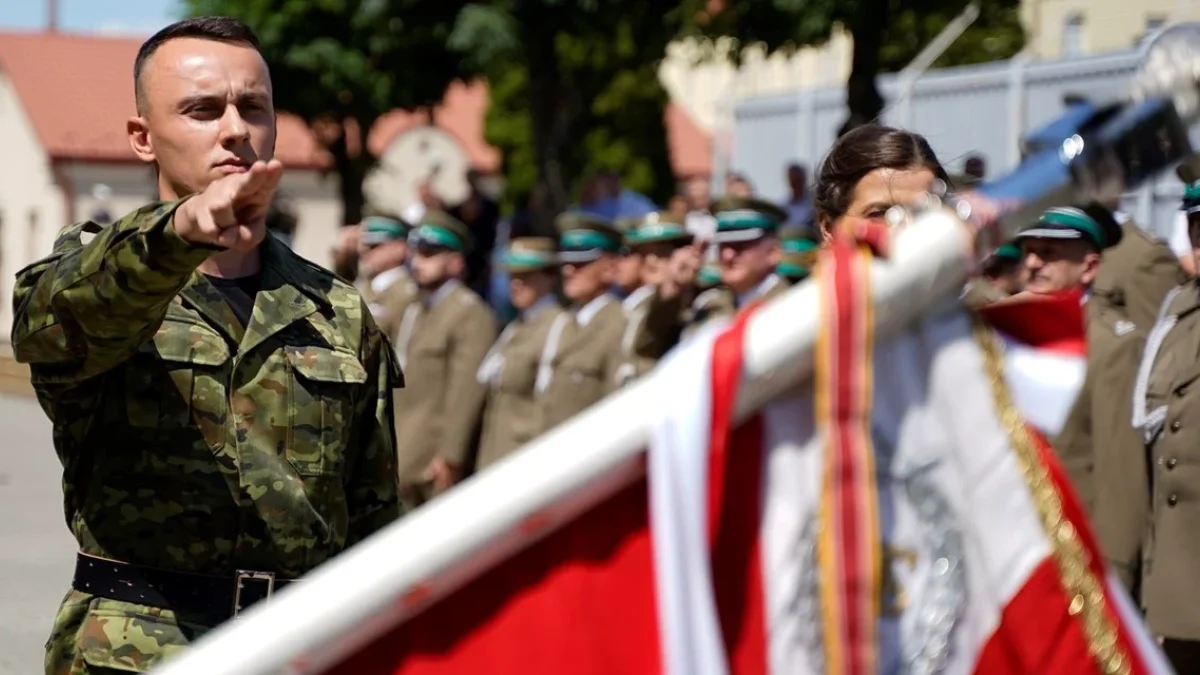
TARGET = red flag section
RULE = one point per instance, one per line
(580, 601)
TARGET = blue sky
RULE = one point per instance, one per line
(106, 17)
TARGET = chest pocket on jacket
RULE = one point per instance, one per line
(177, 380)
(322, 393)
(519, 372)
(427, 360)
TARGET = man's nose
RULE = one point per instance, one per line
(234, 129)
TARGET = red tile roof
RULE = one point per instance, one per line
(78, 91)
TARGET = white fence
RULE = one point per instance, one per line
(984, 109)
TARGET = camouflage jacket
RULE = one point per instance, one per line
(188, 441)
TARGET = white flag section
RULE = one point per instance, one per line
(985, 568)
(574, 557)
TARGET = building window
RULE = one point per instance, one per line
(1072, 37)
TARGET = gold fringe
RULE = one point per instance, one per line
(1085, 590)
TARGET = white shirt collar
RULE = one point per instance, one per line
(545, 302)
(635, 298)
(758, 291)
(590, 310)
(442, 292)
(380, 282)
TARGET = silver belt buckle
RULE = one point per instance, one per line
(241, 577)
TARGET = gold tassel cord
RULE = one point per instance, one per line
(1085, 590)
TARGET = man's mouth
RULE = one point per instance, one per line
(233, 166)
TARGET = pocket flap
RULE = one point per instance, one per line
(326, 365)
(189, 343)
(129, 640)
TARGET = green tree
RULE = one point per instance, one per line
(574, 90)
(887, 34)
(341, 64)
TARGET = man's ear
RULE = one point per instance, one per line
(1091, 266)
(774, 252)
(458, 266)
(139, 138)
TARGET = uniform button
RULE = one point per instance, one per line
(1171, 463)
(1172, 500)
(1175, 426)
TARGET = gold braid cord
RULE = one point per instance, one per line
(1086, 591)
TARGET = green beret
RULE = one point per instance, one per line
(584, 237)
(441, 229)
(657, 227)
(746, 218)
(380, 228)
(527, 254)
(708, 276)
(797, 259)
(1007, 252)
(1092, 223)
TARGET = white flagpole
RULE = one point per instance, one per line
(361, 594)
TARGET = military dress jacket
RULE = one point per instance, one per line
(193, 443)
(388, 300)
(653, 326)
(1135, 275)
(584, 367)
(979, 294)
(516, 371)
(442, 343)
(1101, 451)
(1166, 408)
(721, 302)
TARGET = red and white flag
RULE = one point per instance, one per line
(901, 513)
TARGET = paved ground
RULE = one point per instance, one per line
(36, 551)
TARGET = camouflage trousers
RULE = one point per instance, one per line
(97, 636)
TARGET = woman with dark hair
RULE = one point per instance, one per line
(870, 170)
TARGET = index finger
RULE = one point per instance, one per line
(253, 180)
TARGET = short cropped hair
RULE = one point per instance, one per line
(216, 28)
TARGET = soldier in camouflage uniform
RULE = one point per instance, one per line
(222, 408)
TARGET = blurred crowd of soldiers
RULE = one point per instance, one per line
(596, 308)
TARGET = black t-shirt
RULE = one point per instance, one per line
(239, 294)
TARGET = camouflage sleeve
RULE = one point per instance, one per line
(85, 308)
(372, 492)
(472, 339)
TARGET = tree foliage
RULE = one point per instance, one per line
(574, 83)
(887, 34)
(575, 91)
(341, 64)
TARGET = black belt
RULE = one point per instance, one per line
(182, 592)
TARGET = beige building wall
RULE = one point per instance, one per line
(701, 78)
(1065, 28)
(122, 188)
(31, 203)
(39, 197)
